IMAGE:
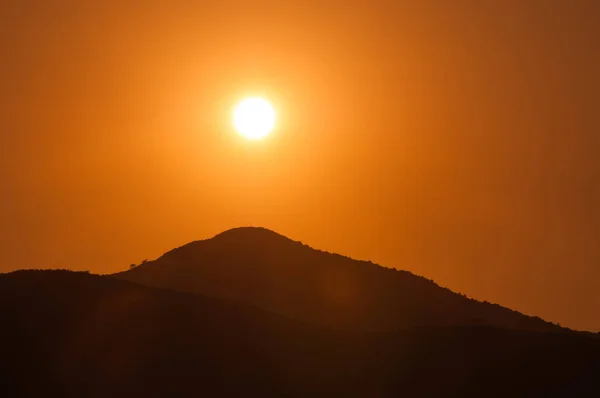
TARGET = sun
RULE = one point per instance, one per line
(254, 118)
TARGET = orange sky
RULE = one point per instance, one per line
(455, 139)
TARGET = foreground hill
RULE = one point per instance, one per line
(78, 335)
(260, 267)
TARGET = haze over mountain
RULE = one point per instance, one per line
(455, 142)
(260, 267)
(73, 334)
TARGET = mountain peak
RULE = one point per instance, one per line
(261, 267)
(250, 232)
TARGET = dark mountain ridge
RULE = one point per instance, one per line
(260, 267)
(73, 334)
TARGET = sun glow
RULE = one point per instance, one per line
(254, 118)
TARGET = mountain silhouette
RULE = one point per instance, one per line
(260, 267)
(72, 334)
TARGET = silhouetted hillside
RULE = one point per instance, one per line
(78, 335)
(261, 267)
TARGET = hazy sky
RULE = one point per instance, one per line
(456, 139)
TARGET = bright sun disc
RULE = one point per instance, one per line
(254, 118)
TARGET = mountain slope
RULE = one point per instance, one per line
(261, 267)
(74, 334)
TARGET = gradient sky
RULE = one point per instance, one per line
(456, 139)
